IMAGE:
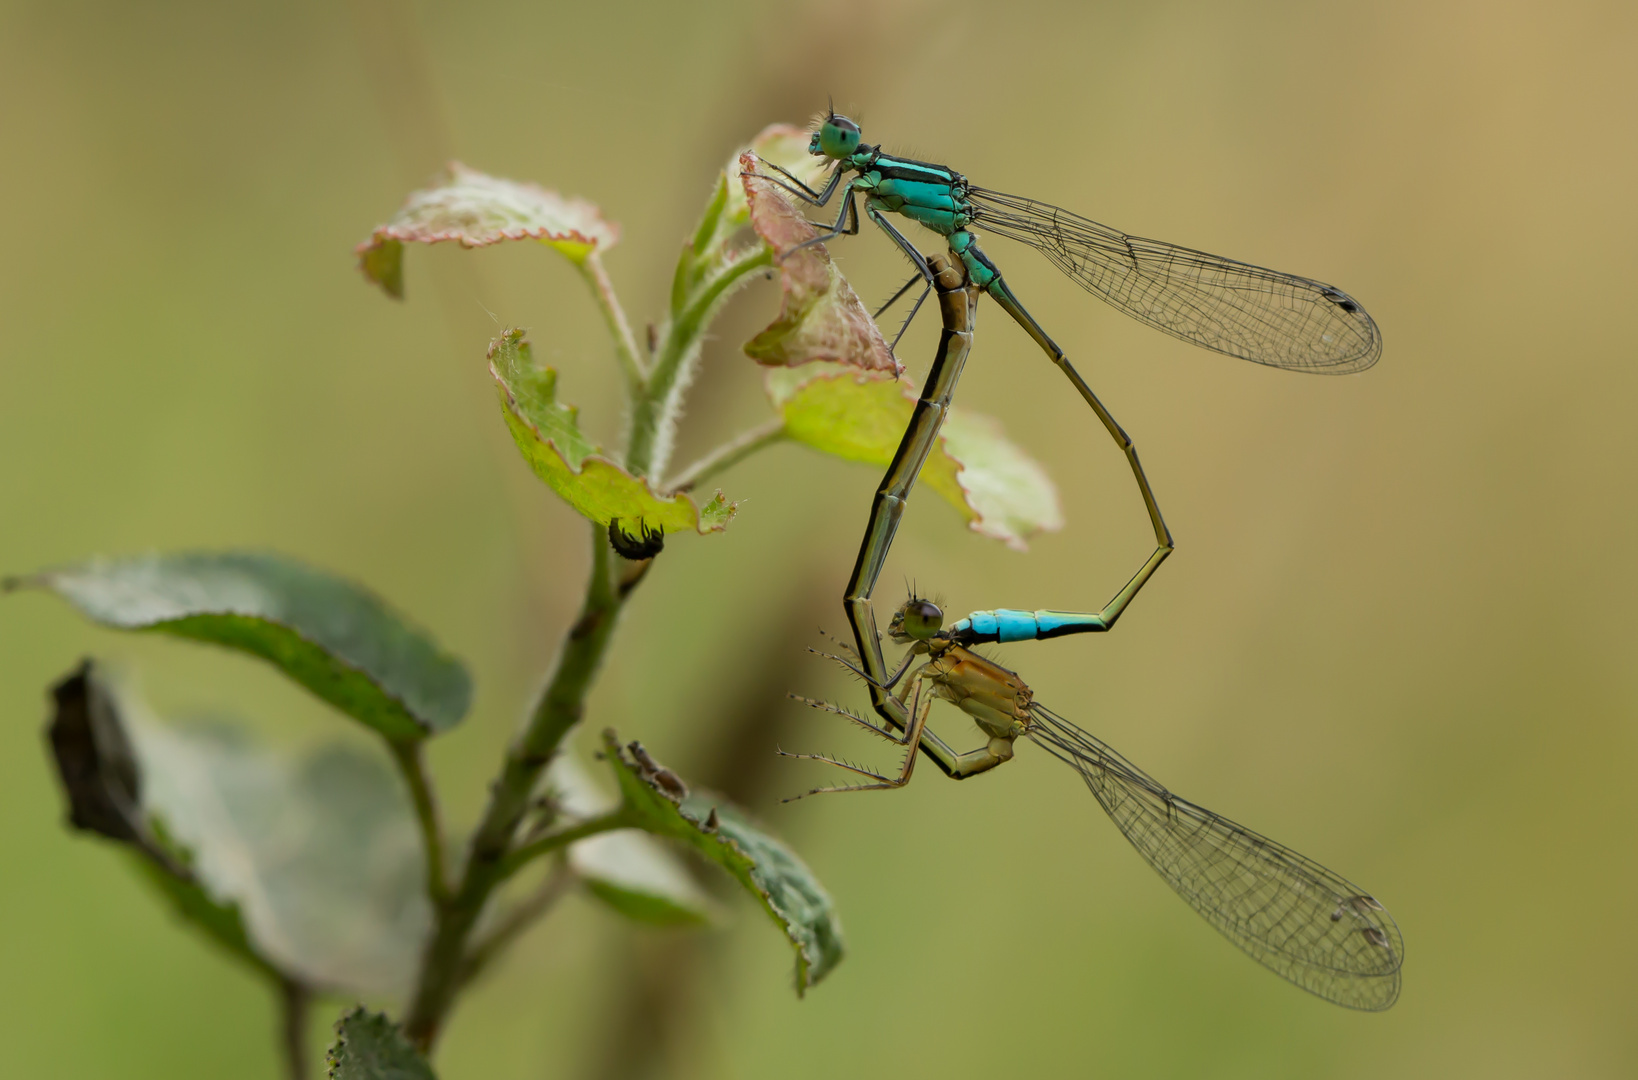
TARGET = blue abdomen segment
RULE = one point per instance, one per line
(980, 271)
(1010, 624)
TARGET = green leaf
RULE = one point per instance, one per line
(309, 868)
(476, 209)
(332, 636)
(769, 870)
(368, 1046)
(103, 783)
(549, 436)
(320, 854)
(820, 316)
(861, 416)
(628, 870)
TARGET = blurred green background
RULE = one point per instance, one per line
(1396, 634)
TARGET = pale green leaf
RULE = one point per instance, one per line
(103, 783)
(548, 435)
(862, 416)
(319, 853)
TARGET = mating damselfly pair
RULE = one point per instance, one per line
(1307, 924)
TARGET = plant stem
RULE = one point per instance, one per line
(295, 1003)
(729, 454)
(625, 345)
(656, 408)
(412, 763)
(510, 926)
(558, 709)
(521, 855)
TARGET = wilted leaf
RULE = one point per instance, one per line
(368, 1046)
(861, 416)
(820, 316)
(333, 636)
(629, 870)
(549, 436)
(785, 145)
(771, 872)
(476, 209)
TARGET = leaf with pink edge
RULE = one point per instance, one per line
(476, 209)
(820, 316)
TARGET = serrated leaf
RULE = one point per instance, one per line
(549, 436)
(368, 1046)
(475, 209)
(820, 316)
(771, 872)
(628, 870)
(860, 416)
(334, 637)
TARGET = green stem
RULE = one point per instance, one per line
(412, 763)
(521, 855)
(729, 454)
(510, 926)
(656, 409)
(558, 709)
(625, 344)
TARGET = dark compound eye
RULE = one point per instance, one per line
(920, 619)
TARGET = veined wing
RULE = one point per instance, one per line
(1229, 307)
(1287, 912)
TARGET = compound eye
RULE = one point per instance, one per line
(839, 136)
(921, 619)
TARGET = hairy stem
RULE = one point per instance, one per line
(412, 763)
(557, 710)
(656, 409)
(625, 345)
(729, 454)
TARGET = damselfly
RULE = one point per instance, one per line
(1287, 912)
(1231, 307)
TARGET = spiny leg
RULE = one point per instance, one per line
(919, 710)
(850, 209)
(801, 190)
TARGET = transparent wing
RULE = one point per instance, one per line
(1287, 912)
(1226, 306)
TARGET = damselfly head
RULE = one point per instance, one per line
(837, 138)
(917, 620)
